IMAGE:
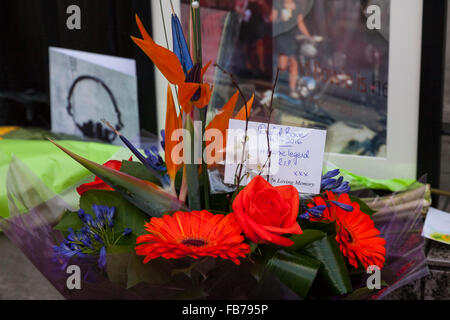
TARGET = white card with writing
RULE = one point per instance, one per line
(296, 155)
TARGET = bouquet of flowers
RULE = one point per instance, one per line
(153, 229)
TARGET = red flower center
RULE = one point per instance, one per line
(194, 242)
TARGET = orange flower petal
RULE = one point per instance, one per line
(185, 92)
(241, 115)
(205, 68)
(141, 27)
(220, 121)
(172, 124)
(205, 96)
(165, 60)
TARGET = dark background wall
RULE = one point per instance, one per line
(29, 27)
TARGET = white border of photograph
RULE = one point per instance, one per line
(405, 45)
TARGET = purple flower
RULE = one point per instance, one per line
(304, 216)
(331, 174)
(316, 211)
(345, 207)
(163, 139)
(98, 239)
(337, 186)
(127, 231)
(154, 159)
(157, 163)
(86, 218)
(93, 238)
(65, 251)
(102, 259)
(180, 47)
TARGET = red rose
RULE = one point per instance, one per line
(265, 212)
(99, 184)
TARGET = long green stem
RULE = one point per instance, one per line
(197, 56)
(164, 24)
(205, 177)
(197, 35)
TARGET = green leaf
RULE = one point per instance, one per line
(138, 170)
(119, 249)
(363, 206)
(220, 201)
(147, 196)
(295, 270)
(126, 216)
(192, 168)
(363, 293)
(126, 269)
(218, 212)
(328, 228)
(69, 220)
(333, 278)
(117, 265)
(155, 272)
(308, 236)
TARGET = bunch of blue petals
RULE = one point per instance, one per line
(157, 162)
(93, 238)
(329, 183)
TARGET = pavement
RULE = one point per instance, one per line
(19, 279)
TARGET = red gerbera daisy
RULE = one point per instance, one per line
(194, 234)
(358, 238)
(329, 214)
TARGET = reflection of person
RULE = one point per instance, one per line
(288, 23)
(255, 30)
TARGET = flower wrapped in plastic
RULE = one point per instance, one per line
(122, 253)
(152, 229)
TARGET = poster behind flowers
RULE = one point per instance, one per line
(87, 87)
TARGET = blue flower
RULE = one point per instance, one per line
(163, 139)
(127, 231)
(157, 163)
(343, 206)
(98, 239)
(337, 186)
(316, 211)
(102, 259)
(64, 250)
(180, 47)
(331, 174)
(304, 216)
(93, 238)
(72, 236)
(154, 159)
(87, 231)
(86, 218)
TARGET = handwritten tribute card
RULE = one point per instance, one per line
(296, 155)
